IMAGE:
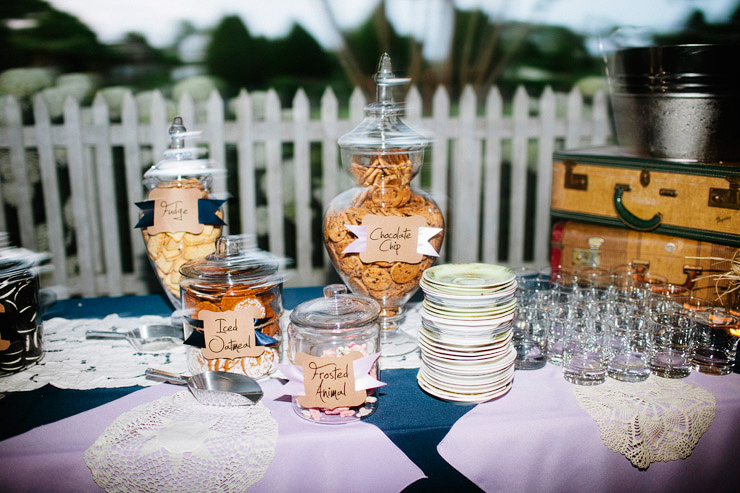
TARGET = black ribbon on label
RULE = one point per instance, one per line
(207, 209)
(198, 339)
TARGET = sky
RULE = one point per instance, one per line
(426, 19)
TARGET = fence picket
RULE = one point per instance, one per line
(106, 193)
(544, 177)
(601, 122)
(83, 237)
(330, 166)
(492, 173)
(440, 149)
(518, 188)
(466, 184)
(302, 169)
(245, 163)
(217, 148)
(53, 206)
(573, 119)
(274, 152)
(186, 110)
(22, 182)
(133, 170)
(158, 127)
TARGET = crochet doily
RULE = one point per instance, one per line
(177, 444)
(72, 362)
(655, 420)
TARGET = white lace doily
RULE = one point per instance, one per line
(656, 420)
(72, 362)
(177, 444)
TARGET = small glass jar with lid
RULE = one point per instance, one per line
(325, 333)
(231, 308)
(20, 317)
(179, 221)
(382, 234)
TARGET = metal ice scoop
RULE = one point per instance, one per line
(214, 388)
(146, 338)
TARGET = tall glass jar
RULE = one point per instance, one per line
(20, 317)
(382, 234)
(335, 326)
(231, 305)
(179, 221)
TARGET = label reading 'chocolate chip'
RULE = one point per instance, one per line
(175, 210)
(392, 239)
(230, 334)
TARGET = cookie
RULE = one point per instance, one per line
(402, 272)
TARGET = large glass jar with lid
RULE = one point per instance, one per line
(179, 220)
(327, 333)
(231, 307)
(20, 317)
(382, 234)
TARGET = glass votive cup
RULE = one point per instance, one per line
(628, 349)
(693, 304)
(653, 282)
(585, 352)
(716, 341)
(671, 344)
(530, 339)
(556, 327)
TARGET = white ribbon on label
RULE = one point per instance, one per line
(422, 242)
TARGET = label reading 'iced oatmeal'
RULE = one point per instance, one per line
(175, 210)
(230, 334)
(329, 381)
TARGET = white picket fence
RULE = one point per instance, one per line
(80, 158)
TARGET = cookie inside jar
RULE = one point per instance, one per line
(179, 219)
(382, 234)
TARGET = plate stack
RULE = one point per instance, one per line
(465, 338)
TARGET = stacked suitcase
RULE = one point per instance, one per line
(672, 218)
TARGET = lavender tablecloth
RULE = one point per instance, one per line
(309, 457)
(537, 438)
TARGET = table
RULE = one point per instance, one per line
(413, 420)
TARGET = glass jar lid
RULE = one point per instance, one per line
(382, 131)
(13, 266)
(180, 160)
(235, 260)
(337, 310)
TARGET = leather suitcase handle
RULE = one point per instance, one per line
(629, 219)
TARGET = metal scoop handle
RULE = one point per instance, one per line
(165, 376)
(104, 334)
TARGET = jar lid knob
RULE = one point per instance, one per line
(332, 290)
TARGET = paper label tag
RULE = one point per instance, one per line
(392, 239)
(230, 334)
(329, 381)
(175, 210)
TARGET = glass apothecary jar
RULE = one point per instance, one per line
(179, 220)
(382, 234)
(20, 318)
(334, 341)
(231, 307)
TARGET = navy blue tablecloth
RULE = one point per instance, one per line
(413, 420)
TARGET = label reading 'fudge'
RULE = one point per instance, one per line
(175, 210)
(230, 334)
(329, 381)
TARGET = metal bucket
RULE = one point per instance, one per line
(678, 102)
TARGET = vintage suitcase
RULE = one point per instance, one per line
(576, 244)
(608, 186)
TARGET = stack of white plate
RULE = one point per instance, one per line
(465, 339)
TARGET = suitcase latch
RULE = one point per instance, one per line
(574, 181)
(727, 198)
